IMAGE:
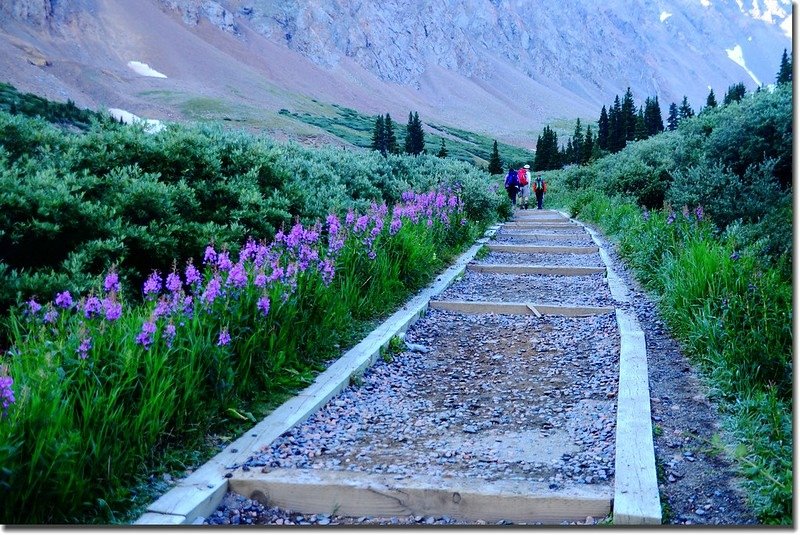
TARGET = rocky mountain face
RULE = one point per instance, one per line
(494, 65)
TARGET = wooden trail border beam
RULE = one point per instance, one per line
(556, 219)
(522, 309)
(530, 223)
(349, 493)
(530, 269)
(521, 236)
(545, 249)
(201, 492)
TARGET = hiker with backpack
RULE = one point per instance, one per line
(512, 185)
(539, 187)
(524, 187)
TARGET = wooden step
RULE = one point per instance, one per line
(523, 309)
(519, 236)
(543, 249)
(532, 269)
(348, 493)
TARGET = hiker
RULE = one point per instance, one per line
(539, 187)
(512, 185)
(524, 187)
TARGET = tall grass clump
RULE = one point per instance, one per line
(96, 386)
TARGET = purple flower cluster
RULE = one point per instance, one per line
(6, 393)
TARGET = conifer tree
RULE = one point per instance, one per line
(616, 127)
(442, 151)
(711, 100)
(547, 151)
(602, 130)
(379, 136)
(672, 119)
(495, 165)
(588, 146)
(685, 111)
(415, 136)
(735, 93)
(629, 116)
(390, 140)
(641, 129)
(577, 143)
(785, 70)
(654, 124)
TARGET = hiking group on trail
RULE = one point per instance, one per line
(517, 182)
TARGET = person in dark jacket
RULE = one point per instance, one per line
(512, 185)
(539, 187)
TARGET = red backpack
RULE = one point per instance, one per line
(523, 177)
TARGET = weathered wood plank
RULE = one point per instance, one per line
(158, 519)
(362, 494)
(636, 497)
(492, 307)
(531, 269)
(544, 249)
(522, 236)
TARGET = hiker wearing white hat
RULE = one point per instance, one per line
(524, 186)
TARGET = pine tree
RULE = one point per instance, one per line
(390, 140)
(547, 151)
(641, 129)
(735, 93)
(379, 136)
(711, 101)
(616, 127)
(415, 136)
(672, 120)
(588, 146)
(442, 151)
(629, 116)
(495, 165)
(577, 143)
(602, 130)
(409, 127)
(685, 111)
(785, 71)
(654, 124)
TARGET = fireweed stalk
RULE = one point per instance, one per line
(108, 381)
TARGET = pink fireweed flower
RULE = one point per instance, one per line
(210, 256)
(169, 333)
(224, 338)
(212, 290)
(64, 300)
(83, 349)
(248, 251)
(335, 244)
(277, 273)
(237, 277)
(33, 306)
(111, 309)
(152, 286)
(279, 236)
(224, 261)
(261, 255)
(349, 218)
(111, 283)
(146, 335)
(328, 270)
(295, 236)
(92, 307)
(263, 304)
(291, 270)
(361, 224)
(192, 275)
(441, 200)
(260, 280)
(445, 218)
(174, 282)
(188, 305)
(394, 227)
(163, 308)
(311, 236)
(452, 202)
(6, 393)
(333, 224)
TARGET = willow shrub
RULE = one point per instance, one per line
(733, 314)
(96, 387)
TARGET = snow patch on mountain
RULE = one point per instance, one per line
(664, 16)
(737, 56)
(144, 69)
(152, 126)
(705, 3)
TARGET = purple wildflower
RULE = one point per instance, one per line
(162, 308)
(83, 349)
(237, 276)
(174, 282)
(224, 261)
(295, 236)
(279, 236)
(328, 270)
(111, 309)
(192, 275)
(361, 224)
(263, 304)
(372, 254)
(169, 334)
(64, 300)
(685, 211)
(734, 256)
(671, 218)
(394, 227)
(224, 338)
(463, 222)
(349, 218)
(212, 290)
(33, 306)
(646, 215)
(333, 224)
(50, 316)
(260, 280)
(111, 284)
(92, 307)
(152, 286)
(210, 256)
(188, 305)
(6, 393)
(698, 212)
(147, 334)
(430, 222)
(248, 251)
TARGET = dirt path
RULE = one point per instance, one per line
(507, 398)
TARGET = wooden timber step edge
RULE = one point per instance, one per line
(531, 269)
(524, 309)
(200, 493)
(515, 236)
(544, 249)
(636, 496)
(349, 493)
